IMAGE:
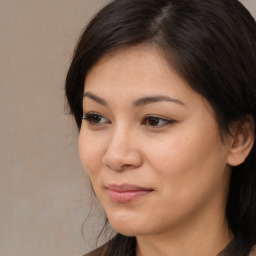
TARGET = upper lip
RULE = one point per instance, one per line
(127, 187)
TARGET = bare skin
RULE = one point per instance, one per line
(153, 151)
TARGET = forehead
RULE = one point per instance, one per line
(137, 59)
(134, 68)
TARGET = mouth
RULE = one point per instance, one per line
(126, 193)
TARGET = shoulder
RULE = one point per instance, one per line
(98, 252)
(253, 251)
(119, 243)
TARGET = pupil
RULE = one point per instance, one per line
(153, 121)
(96, 118)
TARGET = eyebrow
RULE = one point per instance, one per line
(152, 99)
(139, 102)
(95, 98)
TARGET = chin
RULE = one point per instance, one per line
(129, 231)
(128, 227)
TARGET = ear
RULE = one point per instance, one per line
(242, 141)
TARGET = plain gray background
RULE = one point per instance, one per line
(43, 187)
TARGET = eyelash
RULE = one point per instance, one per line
(158, 119)
(90, 118)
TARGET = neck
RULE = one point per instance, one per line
(202, 238)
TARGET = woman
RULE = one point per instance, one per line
(164, 97)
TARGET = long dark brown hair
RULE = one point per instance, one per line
(212, 45)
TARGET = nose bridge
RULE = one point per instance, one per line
(121, 151)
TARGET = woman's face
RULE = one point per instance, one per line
(151, 146)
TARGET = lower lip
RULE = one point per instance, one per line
(127, 196)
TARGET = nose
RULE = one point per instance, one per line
(122, 152)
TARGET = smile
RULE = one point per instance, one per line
(126, 193)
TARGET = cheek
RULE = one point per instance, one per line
(189, 175)
(189, 159)
(90, 153)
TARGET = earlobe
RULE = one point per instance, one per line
(243, 140)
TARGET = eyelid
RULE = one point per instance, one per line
(88, 118)
(166, 121)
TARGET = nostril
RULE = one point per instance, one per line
(127, 165)
(119, 168)
(118, 159)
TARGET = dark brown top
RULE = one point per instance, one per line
(101, 251)
(97, 252)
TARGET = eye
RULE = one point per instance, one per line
(155, 121)
(95, 119)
